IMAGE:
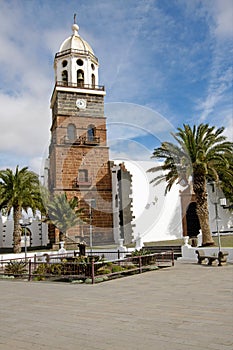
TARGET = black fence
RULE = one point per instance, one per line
(89, 269)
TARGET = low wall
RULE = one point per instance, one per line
(109, 253)
(188, 252)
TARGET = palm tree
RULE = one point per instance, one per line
(201, 153)
(18, 191)
(63, 213)
(226, 181)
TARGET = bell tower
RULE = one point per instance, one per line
(78, 154)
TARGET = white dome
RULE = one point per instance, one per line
(75, 42)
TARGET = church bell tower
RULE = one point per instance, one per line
(78, 154)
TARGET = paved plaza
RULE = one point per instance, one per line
(185, 307)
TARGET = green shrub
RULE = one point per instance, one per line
(96, 280)
(57, 269)
(42, 271)
(117, 268)
(51, 269)
(140, 252)
(103, 270)
(130, 266)
(99, 279)
(16, 268)
(88, 280)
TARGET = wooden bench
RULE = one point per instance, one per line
(221, 257)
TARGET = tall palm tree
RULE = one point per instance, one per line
(63, 213)
(19, 190)
(201, 153)
(226, 181)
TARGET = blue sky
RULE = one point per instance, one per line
(163, 63)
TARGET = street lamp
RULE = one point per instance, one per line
(91, 205)
(223, 203)
(24, 225)
(215, 202)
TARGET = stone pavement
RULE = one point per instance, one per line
(185, 307)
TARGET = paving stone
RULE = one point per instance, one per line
(185, 307)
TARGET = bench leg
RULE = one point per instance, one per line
(220, 261)
(210, 260)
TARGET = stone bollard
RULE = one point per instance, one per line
(186, 240)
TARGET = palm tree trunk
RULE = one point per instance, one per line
(17, 229)
(203, 215)
(199, 188)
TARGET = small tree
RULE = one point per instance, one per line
(63, 213)
(19, 190)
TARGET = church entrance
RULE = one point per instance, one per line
(193, 224)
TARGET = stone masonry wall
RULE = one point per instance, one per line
(67, 159)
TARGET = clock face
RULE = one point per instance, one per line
(81, 104)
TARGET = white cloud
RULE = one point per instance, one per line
(129, 150)
(128, 120)
(36, 164)
(219, 92)
(224, 18)
(24, 125)
(228, 132)
(143, 53)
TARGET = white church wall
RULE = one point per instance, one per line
(225, 217)
(38, 238)
(157, 217)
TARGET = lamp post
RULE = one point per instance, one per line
(217, 218)
(215, 202)
(24, 225)
(91, 205)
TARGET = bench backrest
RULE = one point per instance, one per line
(200, 252)
(222, 254)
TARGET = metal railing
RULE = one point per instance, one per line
(80, 85)
(82, 182)
(92, 267)
(81, 140)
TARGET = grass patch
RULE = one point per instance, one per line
(171, 242)
(226, 241)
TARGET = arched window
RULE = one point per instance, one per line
(64, 63)
(65, 76)
(82, 175)
(80, 77)
(71, 132)
(93, 80)
(91, 132)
